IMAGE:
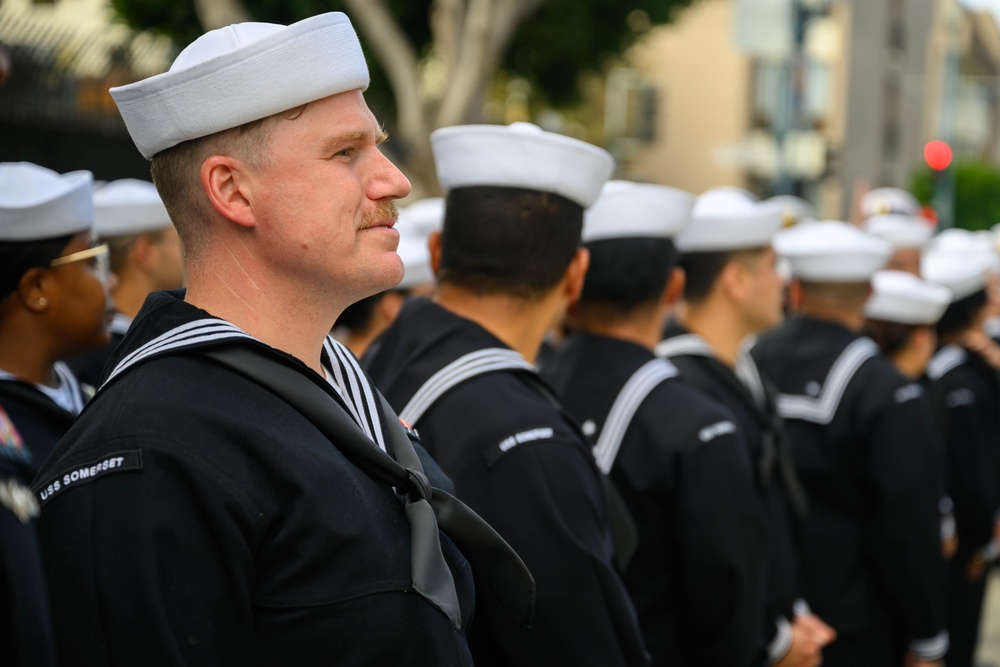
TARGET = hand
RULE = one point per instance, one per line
(979, 342)
(911, 660)
(816, 628)
(805, 651)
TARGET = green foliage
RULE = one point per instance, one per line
(564, 38)
(977, 193)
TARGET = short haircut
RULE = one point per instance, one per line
(627, 274)
(891, 337)
(514, 241)
(961, 313)
(702, 269)
(119, 246)
(16, 257)
(847, 295)
(176, 171)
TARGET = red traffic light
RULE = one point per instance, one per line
(938, 155)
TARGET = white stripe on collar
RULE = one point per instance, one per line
(748, 374)
(626, 404)
(685, 344)
(67, 395)
(205, 330)
(120, 324)
(462, 369)
(357, 392)
(821, 409)
(945, 360)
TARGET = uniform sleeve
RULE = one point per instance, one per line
(545, 499)
(150, 566)
(972, 462)
(901, 468)
(721, 535)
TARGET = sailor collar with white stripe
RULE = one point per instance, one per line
(821, 409)
(945, 360)
(346, 378)
(691, 344)
(67, 395)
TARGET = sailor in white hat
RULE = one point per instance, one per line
(908, 235)
(361, 323)
(459, 368)
(145, 254)
(964, 385)
(232, 490)
(687, 484)
(53, 303)
(53, 286)
(853, 420)
(733, 291)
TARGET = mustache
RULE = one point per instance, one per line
(384, 209)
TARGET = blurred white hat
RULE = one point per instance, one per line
(37, 203)
(898, 296)
(520, 155)
(964, 273)
(728, 219)
(241, 73)
(832, 251)
(882, 201)
(629, 210)
(416, 223)
(128, 206)
(902, 231)
(793, 210)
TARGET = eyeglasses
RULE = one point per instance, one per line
(98, 253)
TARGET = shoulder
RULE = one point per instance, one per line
(677, 411)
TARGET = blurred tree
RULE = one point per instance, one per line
(434, 60)
(977, 205)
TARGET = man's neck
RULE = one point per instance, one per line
(645, 328)
(130, 294)
(292, 320)
(721, 327)
(851, 318)
(519, 323)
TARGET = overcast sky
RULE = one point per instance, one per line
(992, 5)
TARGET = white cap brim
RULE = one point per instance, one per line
(241, 73)
(128, 206)
(637, 210)
(904, 298)
(37, 203)
(523, 156)
(832, 252)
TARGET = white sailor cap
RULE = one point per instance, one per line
(831, 251)
(901, 230)
(416, 223)
(725, 219)
(899, 296)
(241, 73)
(793, 209)
(881, 201)
(637, 210)
(424, 216)
(128, 206)
(520, 155)
(964, 243)
(37, 203)
(964, 273)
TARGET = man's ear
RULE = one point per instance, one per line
(675, 287)
(794, 296)
(226, 181)
(575, 275)
(142, 252)
(434, 245)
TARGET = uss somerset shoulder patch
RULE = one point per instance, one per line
(495, 452)
(85, 473)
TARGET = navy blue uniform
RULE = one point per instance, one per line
(519, 461)
(698, 575)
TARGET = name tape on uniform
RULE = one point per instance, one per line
(495, 452)
(86, 473)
